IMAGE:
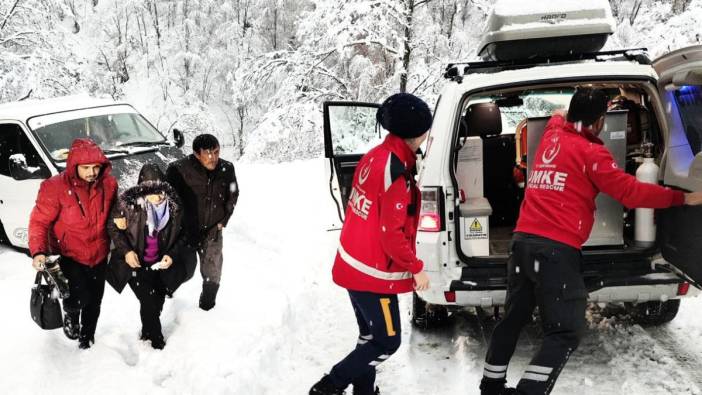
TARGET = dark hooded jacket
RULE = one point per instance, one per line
(70, 215)
(171, 239)
(208, 197)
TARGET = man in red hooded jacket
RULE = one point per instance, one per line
(70, 218)
(376, 258)
(570, 168)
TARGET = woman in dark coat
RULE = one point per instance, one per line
(150, 252)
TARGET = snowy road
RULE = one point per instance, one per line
(280, 323)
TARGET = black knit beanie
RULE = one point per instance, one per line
(405, 115)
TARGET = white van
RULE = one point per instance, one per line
(490, 116)
(35, 136)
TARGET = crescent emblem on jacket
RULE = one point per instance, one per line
(365, 172)
(550, 153)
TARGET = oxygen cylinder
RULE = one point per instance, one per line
(645, 227)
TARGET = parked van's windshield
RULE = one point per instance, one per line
(113, 128)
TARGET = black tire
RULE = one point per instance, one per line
(427, 316)
(655, 313)
(3, 236)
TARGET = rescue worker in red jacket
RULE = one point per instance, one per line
(570, 168)
(70, 219)
(376, 258)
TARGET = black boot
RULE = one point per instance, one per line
(85, 342)
(375, 392)
(493, 387)
(325, 387)
(157, 343)
(208, 295)
(71, 325)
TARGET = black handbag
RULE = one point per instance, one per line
(45, 310)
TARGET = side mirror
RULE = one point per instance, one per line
(178, 138)
(20, 171)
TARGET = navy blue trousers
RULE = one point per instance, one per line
(378, 318)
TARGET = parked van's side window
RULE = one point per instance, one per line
(689, 100)
(14, 141)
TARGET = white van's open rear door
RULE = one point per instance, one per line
(350, 130)
(680, 88)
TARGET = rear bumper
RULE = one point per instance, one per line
(628, 280)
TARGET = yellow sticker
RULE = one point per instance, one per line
(476, 230)
(475, 226)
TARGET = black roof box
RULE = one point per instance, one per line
(521, 29)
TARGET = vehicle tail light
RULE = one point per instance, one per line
(450, 296)
(429, 215)
(683, 288)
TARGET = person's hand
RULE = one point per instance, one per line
(693, 199)
(220, 226)
(132, 259)
(421, 281)
(166, 262)
(120, 223)
(39, 262)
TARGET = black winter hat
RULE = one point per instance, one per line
(404, 115)
(151, 172)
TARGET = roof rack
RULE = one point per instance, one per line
(455, 72)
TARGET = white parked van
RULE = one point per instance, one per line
(35, 136)
(490, 117)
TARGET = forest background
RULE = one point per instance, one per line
(255, 72)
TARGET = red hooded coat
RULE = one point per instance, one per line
(70, 215)
(377, 246)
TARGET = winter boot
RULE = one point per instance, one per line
(493, 387)
(358, 392)
(71, 325)
(208, 295)
(85, 342)
(326, 387)
(157, 343)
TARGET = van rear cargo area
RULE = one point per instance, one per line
(492, 163)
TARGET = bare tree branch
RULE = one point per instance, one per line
(9, 14)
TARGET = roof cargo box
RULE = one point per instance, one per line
(521, 29)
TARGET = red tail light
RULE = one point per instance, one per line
(683, 288)
(450, 296)
(429, 215)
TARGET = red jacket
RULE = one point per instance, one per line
(377, 246)
(70, 215)
(570, 168)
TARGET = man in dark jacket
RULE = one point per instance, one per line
(377, 250)
(70, 219)
(571, 167)
(208, 188)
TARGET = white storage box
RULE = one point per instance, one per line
(475, 227)
(519, 29)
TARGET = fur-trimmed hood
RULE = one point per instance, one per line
(136, 195)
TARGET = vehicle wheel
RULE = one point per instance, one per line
(655, 313)
(3, 235)
(427, 316)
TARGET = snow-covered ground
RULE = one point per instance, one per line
(280, 323)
